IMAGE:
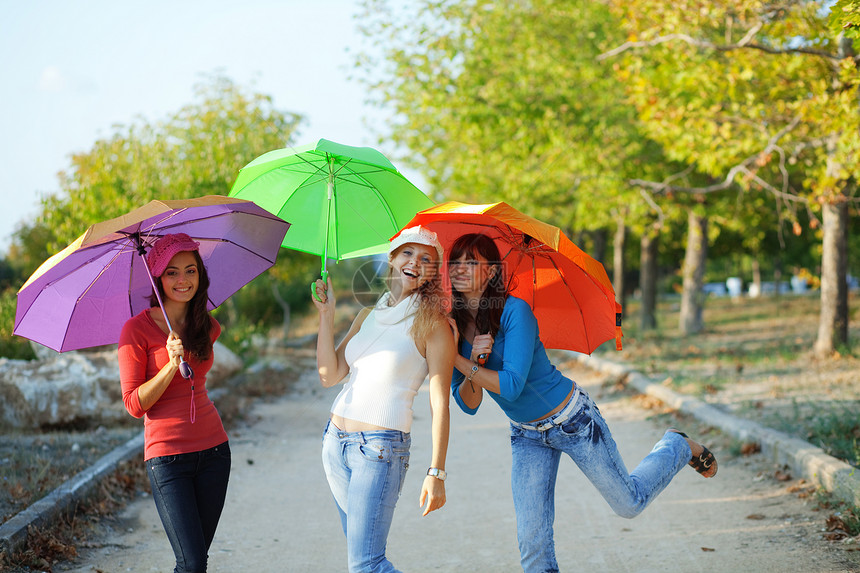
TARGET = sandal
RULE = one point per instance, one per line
(704, 461)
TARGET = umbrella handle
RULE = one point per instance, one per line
(185, 369)
(324, 276)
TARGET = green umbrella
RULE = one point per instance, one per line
(342, 201)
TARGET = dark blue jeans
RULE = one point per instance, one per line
(189, 492)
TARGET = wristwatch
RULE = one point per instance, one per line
(437, 473)
(473, 372)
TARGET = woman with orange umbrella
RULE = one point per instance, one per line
(500, 352)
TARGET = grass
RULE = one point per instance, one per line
(33, 465)
(755, 358)
(835, 430)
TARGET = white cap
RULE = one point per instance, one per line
(418, 234)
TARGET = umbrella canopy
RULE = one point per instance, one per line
(343, 201)
(569, 291)
(82, 296)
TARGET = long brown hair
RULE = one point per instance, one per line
(197, 337)
(492, 301)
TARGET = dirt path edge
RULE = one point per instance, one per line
(804, 459)
(63, 500)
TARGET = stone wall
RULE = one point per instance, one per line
(76, 388)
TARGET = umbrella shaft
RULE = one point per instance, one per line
(184, 367)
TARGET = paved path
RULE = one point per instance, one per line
(280, 517)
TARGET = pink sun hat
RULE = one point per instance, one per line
(165, 248)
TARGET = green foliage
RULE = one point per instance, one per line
(28, 250)
(837, 432)
(256, 309)
(7, 275)
(507, 101)
(834, 428)
(752, 85)
(516, 102)
(845, 18)
(195, 152)
(11, 346)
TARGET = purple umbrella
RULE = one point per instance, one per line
(83, 295)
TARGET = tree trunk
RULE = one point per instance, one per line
(599, 241)
(618, 267)
(648, 278)
(756, 272)
(285, 306)
(692, 297)
(833, 319)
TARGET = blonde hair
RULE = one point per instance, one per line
(433, 303)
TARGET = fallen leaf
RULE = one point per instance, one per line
(835, 535)
(834, 522)
(750, 448)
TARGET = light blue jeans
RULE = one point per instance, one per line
(585, 437)
(365, 471)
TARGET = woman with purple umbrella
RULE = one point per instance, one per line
(164, 356)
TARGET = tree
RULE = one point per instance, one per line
(845, 18)
(197, 151)
(194, 152)
(508, 101)
(758, 95)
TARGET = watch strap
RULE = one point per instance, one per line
(473, 372)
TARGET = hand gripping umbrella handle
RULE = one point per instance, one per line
(324, 275)
(184, 368)
(330, 193)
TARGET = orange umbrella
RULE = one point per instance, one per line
(569, 291)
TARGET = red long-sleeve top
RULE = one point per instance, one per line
(167, 424)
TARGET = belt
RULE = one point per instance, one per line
(557, 419)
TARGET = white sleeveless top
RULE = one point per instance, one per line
(385, 368)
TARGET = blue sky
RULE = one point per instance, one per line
(73, 69)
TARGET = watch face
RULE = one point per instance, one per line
(437, 473)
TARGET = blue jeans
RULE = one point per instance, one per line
(585, 437)
(365, 471)
(189, 492)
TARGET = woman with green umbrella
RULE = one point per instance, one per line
(384, 358)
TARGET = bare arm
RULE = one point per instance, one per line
(331, 363)
(440, 352)
(150, 391)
